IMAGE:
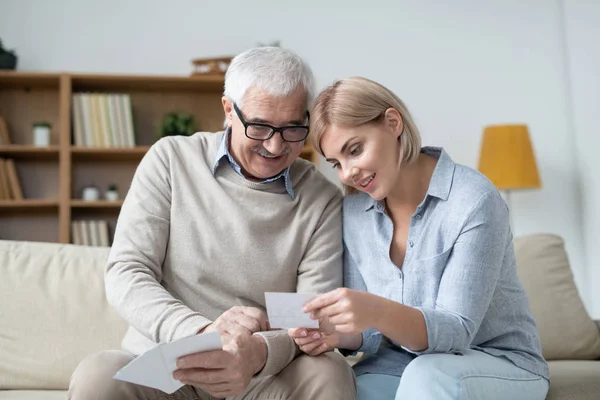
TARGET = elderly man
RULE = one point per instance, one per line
(212, 222)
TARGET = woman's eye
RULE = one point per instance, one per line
(355, 150)
(335, 165)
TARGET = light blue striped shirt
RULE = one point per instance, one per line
(459, 271)
(223, 153)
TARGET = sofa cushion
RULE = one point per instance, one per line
(566, 330)
(54, 312)
(574, 380)
(33, 395)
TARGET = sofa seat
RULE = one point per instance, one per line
(33, 394)
(58, 314)
(574, 379)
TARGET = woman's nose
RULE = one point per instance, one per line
(350, 173)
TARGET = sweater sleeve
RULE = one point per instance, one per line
(320, 271)
(134, 269)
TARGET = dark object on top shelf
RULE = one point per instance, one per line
(8, 58)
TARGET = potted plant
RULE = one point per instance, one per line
(177, 124)
(8, 58)
(112, 192)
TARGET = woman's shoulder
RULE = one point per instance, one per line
(470, 185)
(357, 201)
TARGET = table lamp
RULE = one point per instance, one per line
(507, 159)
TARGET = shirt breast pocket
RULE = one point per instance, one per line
(422, 279)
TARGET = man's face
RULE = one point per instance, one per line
(264, 159)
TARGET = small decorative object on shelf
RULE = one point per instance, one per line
(211, 66)
(90, 193)
(41, 134)
(8, 58)
(276, 43)
(175, 124)
(112, 193)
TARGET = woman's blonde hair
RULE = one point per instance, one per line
(357, 101)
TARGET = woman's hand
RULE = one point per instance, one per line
(349, 311)
(316, 341)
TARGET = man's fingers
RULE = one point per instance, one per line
(250, 323)
(258, 315)
(206, 360)
(200, 377)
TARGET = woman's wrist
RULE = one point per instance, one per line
(349, 341)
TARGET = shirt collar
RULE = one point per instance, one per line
(224, 154)
(441, 179)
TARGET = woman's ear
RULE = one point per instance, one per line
(393, 120)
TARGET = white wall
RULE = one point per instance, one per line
(582, 33)
(458, 65)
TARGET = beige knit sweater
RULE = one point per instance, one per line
(189, 245)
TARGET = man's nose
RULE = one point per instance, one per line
(275, 145)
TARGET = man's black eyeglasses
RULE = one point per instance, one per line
(258, 131)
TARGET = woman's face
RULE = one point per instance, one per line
(365, 157)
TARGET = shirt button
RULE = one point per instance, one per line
(418, 216)
(411, 244)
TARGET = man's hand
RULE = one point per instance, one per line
(350, 311)
(239, 321)
(226, 372)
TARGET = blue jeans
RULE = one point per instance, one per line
(474, 375)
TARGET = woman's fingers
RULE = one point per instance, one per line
(312, 338)
(310, 347)
(319, 350)
(323, 300)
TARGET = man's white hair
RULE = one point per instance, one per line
(277, 71)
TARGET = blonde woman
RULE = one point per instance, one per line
(432, 295)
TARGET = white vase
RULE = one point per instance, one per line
(90, 193)
(41, 136)
(111, 195)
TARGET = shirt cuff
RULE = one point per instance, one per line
(442, 335)
(281, 350)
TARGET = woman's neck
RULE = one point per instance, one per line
(412, 185)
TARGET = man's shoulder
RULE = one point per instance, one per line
(205, 142)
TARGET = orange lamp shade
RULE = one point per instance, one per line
(507, 157)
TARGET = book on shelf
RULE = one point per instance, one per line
(4, 136)
(90, 233)
(10, 186)
(102, 120)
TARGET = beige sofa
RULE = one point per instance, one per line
(53, 313)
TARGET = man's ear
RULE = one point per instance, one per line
(228, 110)
(393, 120)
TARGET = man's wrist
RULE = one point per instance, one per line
(261, 353)
(203, 329)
